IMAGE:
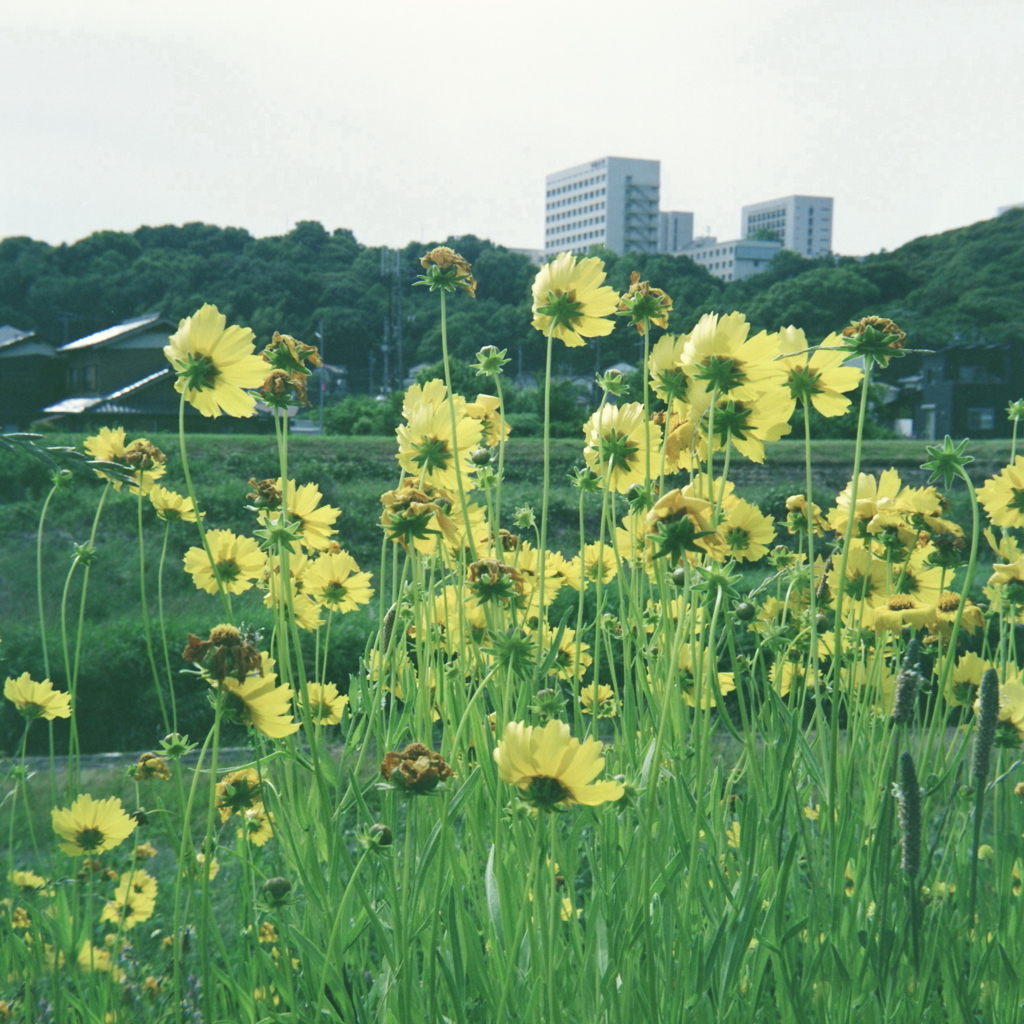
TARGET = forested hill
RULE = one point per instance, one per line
(966, 284)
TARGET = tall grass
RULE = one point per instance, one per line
(801, 828)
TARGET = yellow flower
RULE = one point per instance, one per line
(599, 698)
(134, 900)
(91, 826)
(796, 521)
(141, 460)
(315, 524)
(257, 825)
(721, 360)
(746, 532)
(258, 703)
(237, 561)
(326, 705)
(1003, 496)
(902, 610)
(818, 376)
(211, 871)
(732, 835)
(873, 496)
(668, 381)
(214, 363)
(486, 409)
(29, 883)
(237, 791)
(966, 678)
(946, 607)
(866, 584)
(551, 767)
(425, 444)
(145, 851)
(92, 959)
(570, 300)
(680, 526)
(596, 562)
(169, 505)
(745, 424)
(566, 665)
(37, 700)
(621, 445)
(334, 581)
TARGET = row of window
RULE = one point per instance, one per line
(585, 236)
(573, 186)
(574, 225)
(575, 213)
(583, 197)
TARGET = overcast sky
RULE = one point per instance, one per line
(415, 120)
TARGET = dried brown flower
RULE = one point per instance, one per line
(417, 769)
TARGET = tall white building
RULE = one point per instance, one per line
(612, 202)
(800, 223)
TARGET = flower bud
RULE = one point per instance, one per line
(745, 611)
(380, 834)
(481, 456)
(277, 888)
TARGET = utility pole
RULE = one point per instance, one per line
(391, 274)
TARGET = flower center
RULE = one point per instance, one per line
(226, 571)
(199, 372)
(546, 792)
(431, 454)
(616, 451)
(334, 593)
(90, 839)
(722, 374)
(737, 539)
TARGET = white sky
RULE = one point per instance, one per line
(415, 120)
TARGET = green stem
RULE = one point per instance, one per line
(224, 599)
(39, 580)
(144, 606)
(545, 494)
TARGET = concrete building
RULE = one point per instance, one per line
(675, 231)
(732, 261)
(800, 223)
(611, 202)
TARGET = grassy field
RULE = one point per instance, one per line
(352, 473)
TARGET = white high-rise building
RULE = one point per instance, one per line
(800, 223)
(612, 202)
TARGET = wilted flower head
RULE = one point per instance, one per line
(876, 338)
(226, 652)
(447, 270)
(417, 769)
(151, 766)
(644, 305)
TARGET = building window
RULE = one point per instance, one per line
(981, 418)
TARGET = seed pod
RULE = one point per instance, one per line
(909, 815)
(988, 712)
(679, 577)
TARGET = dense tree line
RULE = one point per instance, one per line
(962, 285)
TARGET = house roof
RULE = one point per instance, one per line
(124, 328)
(11, 335)
(120, 401)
